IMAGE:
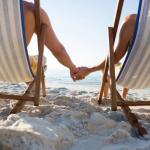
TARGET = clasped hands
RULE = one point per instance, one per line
(80, 73)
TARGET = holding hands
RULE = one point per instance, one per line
(80, 74)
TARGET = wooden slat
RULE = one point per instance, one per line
(43, 84)
(131, 117)
(112, 36)
(41, 30)
(115, 28)
(40, 60)
(103, 81)
(20, 104)
(16, 97)
(112, 70)
(30, 87)
(117, 17)
(133, 103)
(37, 16)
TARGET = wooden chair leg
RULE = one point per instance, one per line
(41, 42)
(112, 70)
(131, 117)
(20, 104)
(43, 84)
(104, 79)
(112, 39)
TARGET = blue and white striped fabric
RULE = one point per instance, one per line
(14, 60)
(135, 73)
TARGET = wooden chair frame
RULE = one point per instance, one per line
(39, 78)
(116, 98)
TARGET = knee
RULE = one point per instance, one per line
(29, 15)
(130, 18)
(44, 17)
(29, 10)
(128, 24)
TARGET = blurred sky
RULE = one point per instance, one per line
(81, 25)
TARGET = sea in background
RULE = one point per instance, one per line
(58, 82)
(69, 118)
(60, 79)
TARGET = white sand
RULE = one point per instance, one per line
(68, 120)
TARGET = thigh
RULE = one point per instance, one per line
(125, 36)
(29, 20)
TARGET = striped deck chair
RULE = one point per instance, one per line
(14, 59)
(134, 73)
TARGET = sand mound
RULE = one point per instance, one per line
(24, 132)
(69, 122)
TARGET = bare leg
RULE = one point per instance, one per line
(106, 89)
(124, 92)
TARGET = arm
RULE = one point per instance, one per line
(55, 46)
(63, 57)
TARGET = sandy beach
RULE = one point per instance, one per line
(70, 120)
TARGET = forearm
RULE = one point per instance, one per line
(97, 67)
(63, 57)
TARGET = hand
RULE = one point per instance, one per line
(82, 73)
(73, 72)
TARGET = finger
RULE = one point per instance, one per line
(79, 77)
(74, 77)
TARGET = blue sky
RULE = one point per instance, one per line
(81, 25)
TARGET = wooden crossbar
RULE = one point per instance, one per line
(134, 103)
(17, 97)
